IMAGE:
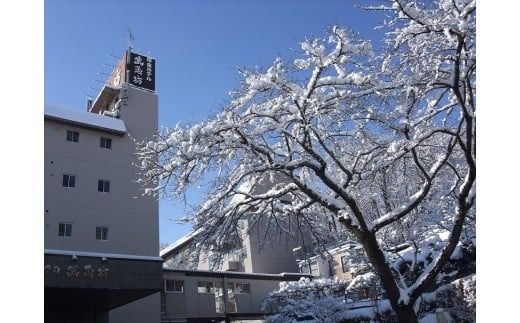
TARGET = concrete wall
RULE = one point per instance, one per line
(330, 267)
(191, 304)
(337, 269)
(133, 222)
(273, 258)
(147, 309)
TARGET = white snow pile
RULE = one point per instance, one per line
(368, 279)
(321, 300)
(304, 282)
(456, 299)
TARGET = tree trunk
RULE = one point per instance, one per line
(406, 314)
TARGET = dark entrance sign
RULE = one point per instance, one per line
(141, 71)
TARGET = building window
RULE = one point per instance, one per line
(101, 233)
(72, 136)
(103, 185)
(69, 180)
(304, 268)
(65, 229)
(344, 263)
(205, 287)
(315, 270)
(311, 268)
(242, 288)
(105, 143)
(174, 286)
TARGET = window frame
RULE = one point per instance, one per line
(68, 180)
(317, 267)
(100, 228)
(73, 135)
(174, 282)
(105, 187)
(307, 264)
(242, 289)
(65, 224)
(105, 142)
(305, 268)
(207, 290)
(344, 265)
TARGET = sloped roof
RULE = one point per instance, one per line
(85, 119)
(183, 241)
(237, 274)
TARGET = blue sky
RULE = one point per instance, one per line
(198, 45)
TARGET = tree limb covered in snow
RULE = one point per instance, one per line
(382, 144)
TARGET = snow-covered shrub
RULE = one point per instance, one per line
(320, 300)
(458, 298)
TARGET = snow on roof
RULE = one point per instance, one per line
(236, 273)
(98, 254)
(183, 240)
(84, 118)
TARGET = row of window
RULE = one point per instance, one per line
(65, 230)
(70, 181)
(313, 267)
(206, 287)
(73, 136)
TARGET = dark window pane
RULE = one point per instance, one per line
(101, 233)
(100, 186)
(105, 143)
(61, 229)
(107, 186)
(68, 230)
(72, 181)
(65, 180)
(174, 286)
(72, 136)
(179, 286)
(246, 288)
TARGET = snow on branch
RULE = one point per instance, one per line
(341, 138)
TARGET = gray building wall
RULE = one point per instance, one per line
(147, 309)
(191, 304)
(273, 255)
(133, 222)
(271, 259)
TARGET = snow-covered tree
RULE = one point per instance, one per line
(379, 143)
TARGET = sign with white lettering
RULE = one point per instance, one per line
(141, 71)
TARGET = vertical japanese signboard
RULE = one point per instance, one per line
(141, 71)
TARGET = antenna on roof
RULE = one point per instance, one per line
(130, 38)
